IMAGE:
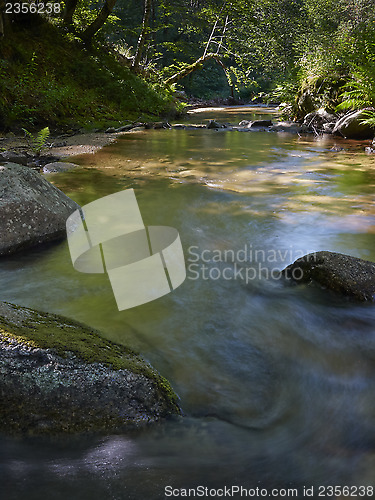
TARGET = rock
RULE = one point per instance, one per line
(57, 375)
(344, 274)
(125, 128)
(61, 144)
(212, 124)
(290, 127)
(244, 123)
(350, 126)
(32, 210)
(58, 166)
(179, 125)
(13, 157)
(110, 130)
(317, 119)
(157, 125)
(162, 125)
(260, 123)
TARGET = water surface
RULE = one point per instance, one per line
(276, 382)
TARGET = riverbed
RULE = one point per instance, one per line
(276, 382)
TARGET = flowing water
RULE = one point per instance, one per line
(276, 382)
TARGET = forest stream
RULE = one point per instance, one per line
(276, 382)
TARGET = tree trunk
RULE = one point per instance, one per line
(95, 26)
(70, 7)
(193, 67)
(142, 36)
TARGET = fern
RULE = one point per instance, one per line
(358, 93)
(38, 143)
(370, 118)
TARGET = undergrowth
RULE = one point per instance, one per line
(47, 77)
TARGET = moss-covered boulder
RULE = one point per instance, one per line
(344, 274)
(32, 210)
(57, 375)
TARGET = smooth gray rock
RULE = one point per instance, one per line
(32, 210)
(57, 375)
(58, 167)
(344, 274)
(350, 126)
(13, 157)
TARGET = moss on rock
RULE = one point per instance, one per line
(59, 375)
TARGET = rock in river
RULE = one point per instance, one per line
(342, 273)
(57, 375)
(351, 125)
(58, 167)
(32, 210)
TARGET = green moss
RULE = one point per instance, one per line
(51, 331)
(35, 329)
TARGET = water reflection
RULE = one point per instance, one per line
(276, 382)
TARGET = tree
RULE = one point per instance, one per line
(70, 7)
(88, 34)
(142, 36)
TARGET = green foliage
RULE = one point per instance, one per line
(370, 118)
(48, 77)
(39, 142)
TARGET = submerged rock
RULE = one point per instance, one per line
(58, 167)
(57, 375)
(344, 274)
(32, 210)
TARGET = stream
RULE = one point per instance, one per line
(276, 382)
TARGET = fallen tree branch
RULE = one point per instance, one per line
(193, 67)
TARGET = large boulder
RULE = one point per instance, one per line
(57, 375)
(350, 126)
(32, 210)
(344, 274)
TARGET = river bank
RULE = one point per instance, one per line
(65, 146)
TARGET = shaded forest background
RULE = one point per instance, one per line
(95, 63)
